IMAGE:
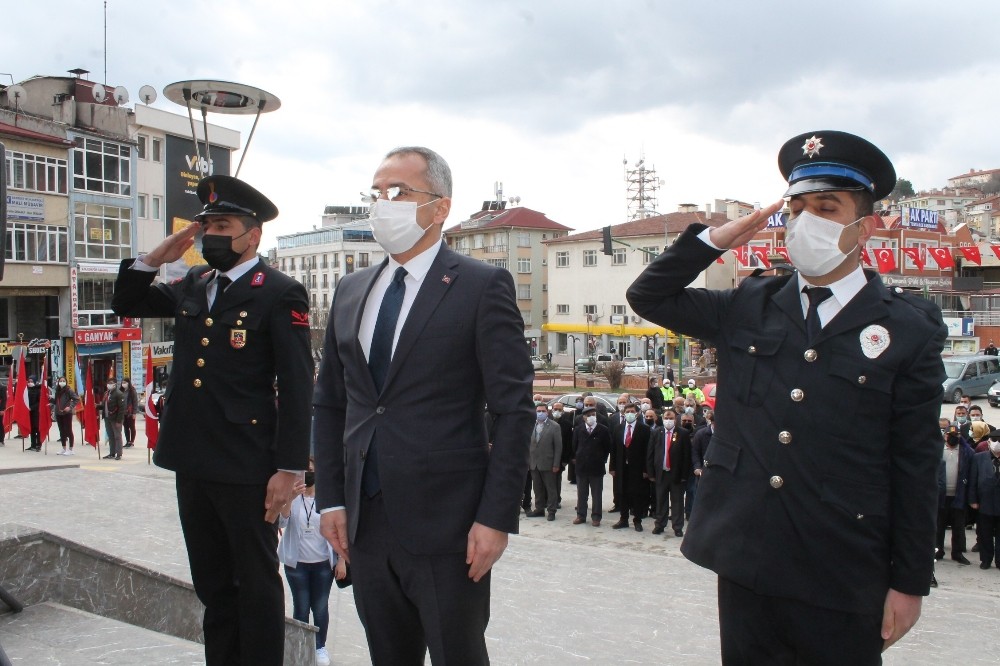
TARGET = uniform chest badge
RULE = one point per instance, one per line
(238, 338)
(874, 340)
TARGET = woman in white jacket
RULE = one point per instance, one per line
(310, 563)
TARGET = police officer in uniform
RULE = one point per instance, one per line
(816, 505)
(236, 450)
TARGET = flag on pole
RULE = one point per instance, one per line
(741, 255)
(914, 254)
(942, 255)
(22, 415)
(996, 250)
(865, 257)
(152, 397)
(90, 412)
(885, 258)
(8, 412)
(972, 254)
(783, 251)
(44, 415)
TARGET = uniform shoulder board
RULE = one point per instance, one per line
(917, 300)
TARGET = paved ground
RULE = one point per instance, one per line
(562, 594)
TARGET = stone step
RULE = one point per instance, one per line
(51, 633)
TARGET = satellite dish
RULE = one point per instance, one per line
(16, 93)
(121, 95)
(147, 94)
(99, 93)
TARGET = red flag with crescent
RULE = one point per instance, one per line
(152, 400)
(885, 258)
(942, 255)
(972, 254)
(914, 254)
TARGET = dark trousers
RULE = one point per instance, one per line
(571, 472)
(410, 604)
(113, 429)
(633, 497)
(689, 494)
(988, 534)
(310, 584)
(669, 501)
(36, 440)
(234, 568)
(65, 423)
(756, 629)
(526, 496)
(956, 517)
(592, 486)
(129, 426)
(546, 491)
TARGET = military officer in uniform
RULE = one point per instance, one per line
(816, 506)
(236, 450)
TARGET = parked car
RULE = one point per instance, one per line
(593, 363)
(537, 362)
(610, 401)
(969, 375)
(640, 367)
(993, 395)
(709, 391)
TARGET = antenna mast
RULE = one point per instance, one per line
(641, 186)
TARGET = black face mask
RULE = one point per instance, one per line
(650, 422)
(310, 479)
(218, 251)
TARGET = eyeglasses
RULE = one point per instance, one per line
(374, 194)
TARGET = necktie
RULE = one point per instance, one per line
(221, 283)
(667, 436)
(816, 295)
(628, 436)
(378, 364)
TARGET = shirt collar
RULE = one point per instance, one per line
(418, 266)
(239, 270)
(843, 289)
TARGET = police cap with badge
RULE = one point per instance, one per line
(226, 195)
(827, 160)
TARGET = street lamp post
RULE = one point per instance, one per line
(573, 339)
(656, 341)
(645, 356)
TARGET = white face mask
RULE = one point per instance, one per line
(394, 225)
(813, 243)
(591, 421)
(668, 424)
(630, 417)
(557, 413)
(995, 447)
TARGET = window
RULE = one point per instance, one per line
(562, 308)
(102, 232)
(562, 342)
(618, 309)
(102, 166)
(284, 265)
(477, 242)
(157, 150)
(291, 263)
(157, 207)
(143, 211)
(312, 300)
(324, 263)
(325, 281)
(335, 261)
(526, 316)
(499, 263)
(143, 143)
(649, 253)
(922, 248)
(36, 243)
(618, 257)
(523, 291)
(326, 299)
(590, 257)
(312, 281)
(362, 260)
(524, 264)
(95, 292)
(36, 172)
(590, 310)
(562, 259)
(753, 261)
(523, 239)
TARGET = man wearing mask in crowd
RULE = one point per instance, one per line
(653, 395)
(34, 396)
(991, 349)
(564, 420)
(630, 441)
(114, 416)
(65, 402)
(668, 462)
(429, 331)
(984, 495)
(961, 420)
(976, 414)
(693, 391)
(589, 401)
(241, 330)
(591, 448)
(822, 520)
(956, 457)
(544, 455)
(131, 405)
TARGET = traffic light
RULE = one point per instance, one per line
(606, 232)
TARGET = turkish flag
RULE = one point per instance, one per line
(914, 254)
(996, 250)
(8, 412)
(22, 415)
(90, 435)
(783, 251)
(942, 255)
(885, 258)
(761, 254)
(972, 254)
(44, 415)
(865, 257)
(152, 398)
(741, 255)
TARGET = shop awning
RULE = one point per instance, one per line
(612, 329)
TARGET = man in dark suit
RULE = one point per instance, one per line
(591, 447)
(564, 420)
(668, 463)
(407, 487)
(239, 324)
(817, 500)
(630, 441)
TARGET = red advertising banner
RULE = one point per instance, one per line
(92, 336)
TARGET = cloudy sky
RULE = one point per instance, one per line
(549, 96)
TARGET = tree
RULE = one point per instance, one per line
(992, 186)
(613, 372)
(903, 189)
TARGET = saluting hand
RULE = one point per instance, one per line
(173, 247)
(484, 548)
(737, 232)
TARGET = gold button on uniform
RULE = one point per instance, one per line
(798, 394)
(777, 482)
(862, 379)
(204, 342)
(239, 322)
(810, 355)
(253, 421)
(751, 349)
(243, 313)
(785, 437)
(197, 383)
(200, 363)
(209, 321)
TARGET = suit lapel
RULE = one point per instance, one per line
(442, 274)
(239, 291)
(788, 301)
(357, 313)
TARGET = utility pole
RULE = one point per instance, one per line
(641, 186)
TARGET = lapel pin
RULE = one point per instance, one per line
(446, 279)
(258, 279)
